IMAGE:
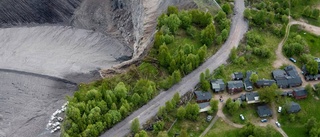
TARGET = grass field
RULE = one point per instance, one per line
(309, 108)
(194, 128)
(222, 129)
(249, 113)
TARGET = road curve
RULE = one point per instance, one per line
(238, 28)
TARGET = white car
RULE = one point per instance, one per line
(279, 109)
(242, 117)
(278, 124)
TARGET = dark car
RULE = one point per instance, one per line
(293, 60)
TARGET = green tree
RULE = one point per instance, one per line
(268, 94)
(224, 34)
(181, 112)
(312, 122)
(254, 77)
(247, 14)
(173, 22)
(226, 8)
(233, 54)
(162, 112)
(135, 125)
(221, 15)
(208, 35)
(192, 111)
(202, 52)
(169, 106)
(124, 111)
(176, 76)
(158, 126)
(214, 104)
(135, 99)
(120, 90)
(176, 97)
(172, 10)
(186, 19)
(312, 67)
(164, 56)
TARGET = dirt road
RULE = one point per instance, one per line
(238, 28)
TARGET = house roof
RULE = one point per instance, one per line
(203, 95)
(300, 92)
(294, 107)
(217, 84)
(265, 82)
(264, 111)
(287, 77)
(279, 74)
(237, 75)
(204, 105)
(235, 84)
(251, 96)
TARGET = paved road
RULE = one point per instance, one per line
(238, 28)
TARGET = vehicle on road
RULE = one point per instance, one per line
(279, 109)
(278, 124)
(242, 117)
(293, 60)
(264, 120)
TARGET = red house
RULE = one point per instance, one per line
(299, 93)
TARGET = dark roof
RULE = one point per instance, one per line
(237, 75)
(264, 111)
(294, 107)
(248, 84)
(249, 73)
(204, 105)
(279, 74)
(300, 92)
(218, 84)
(235, 84)
(288, 77)
(203, 95)
(251, 95)
(243, 97)
(265, 82)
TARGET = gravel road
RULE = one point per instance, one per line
(238, 28)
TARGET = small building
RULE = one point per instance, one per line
(264, 111)
(237, 76)
(217, 85)
(248, 86)
(202, 96)
(264, 83)
(293, 107)
(204, 107)
(299, 93)
(252, 97)
(234, 86)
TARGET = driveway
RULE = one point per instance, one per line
(238, 28)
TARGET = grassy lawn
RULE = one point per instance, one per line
(194, 128)
(309, 108)
(249, 113)
(222, 129)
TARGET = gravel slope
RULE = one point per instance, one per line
(27, 102)
(58, 51)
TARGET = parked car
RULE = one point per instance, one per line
(264, 120)
(293, 60)
(279, 109)
(278, 124)
(209, 118)
(242, 117)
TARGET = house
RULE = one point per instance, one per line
(264, 111)
(237, 76)
(204, 107)
(217, 85)
(307, 75)
(234, 86)
(264, 83)
(252, 97)
(287, 78)
(293, 107)
(202, 96)
(299, 93)
(248, 86)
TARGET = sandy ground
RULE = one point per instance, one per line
(58, 51)
(27, 102)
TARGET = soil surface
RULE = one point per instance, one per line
(27, 102)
